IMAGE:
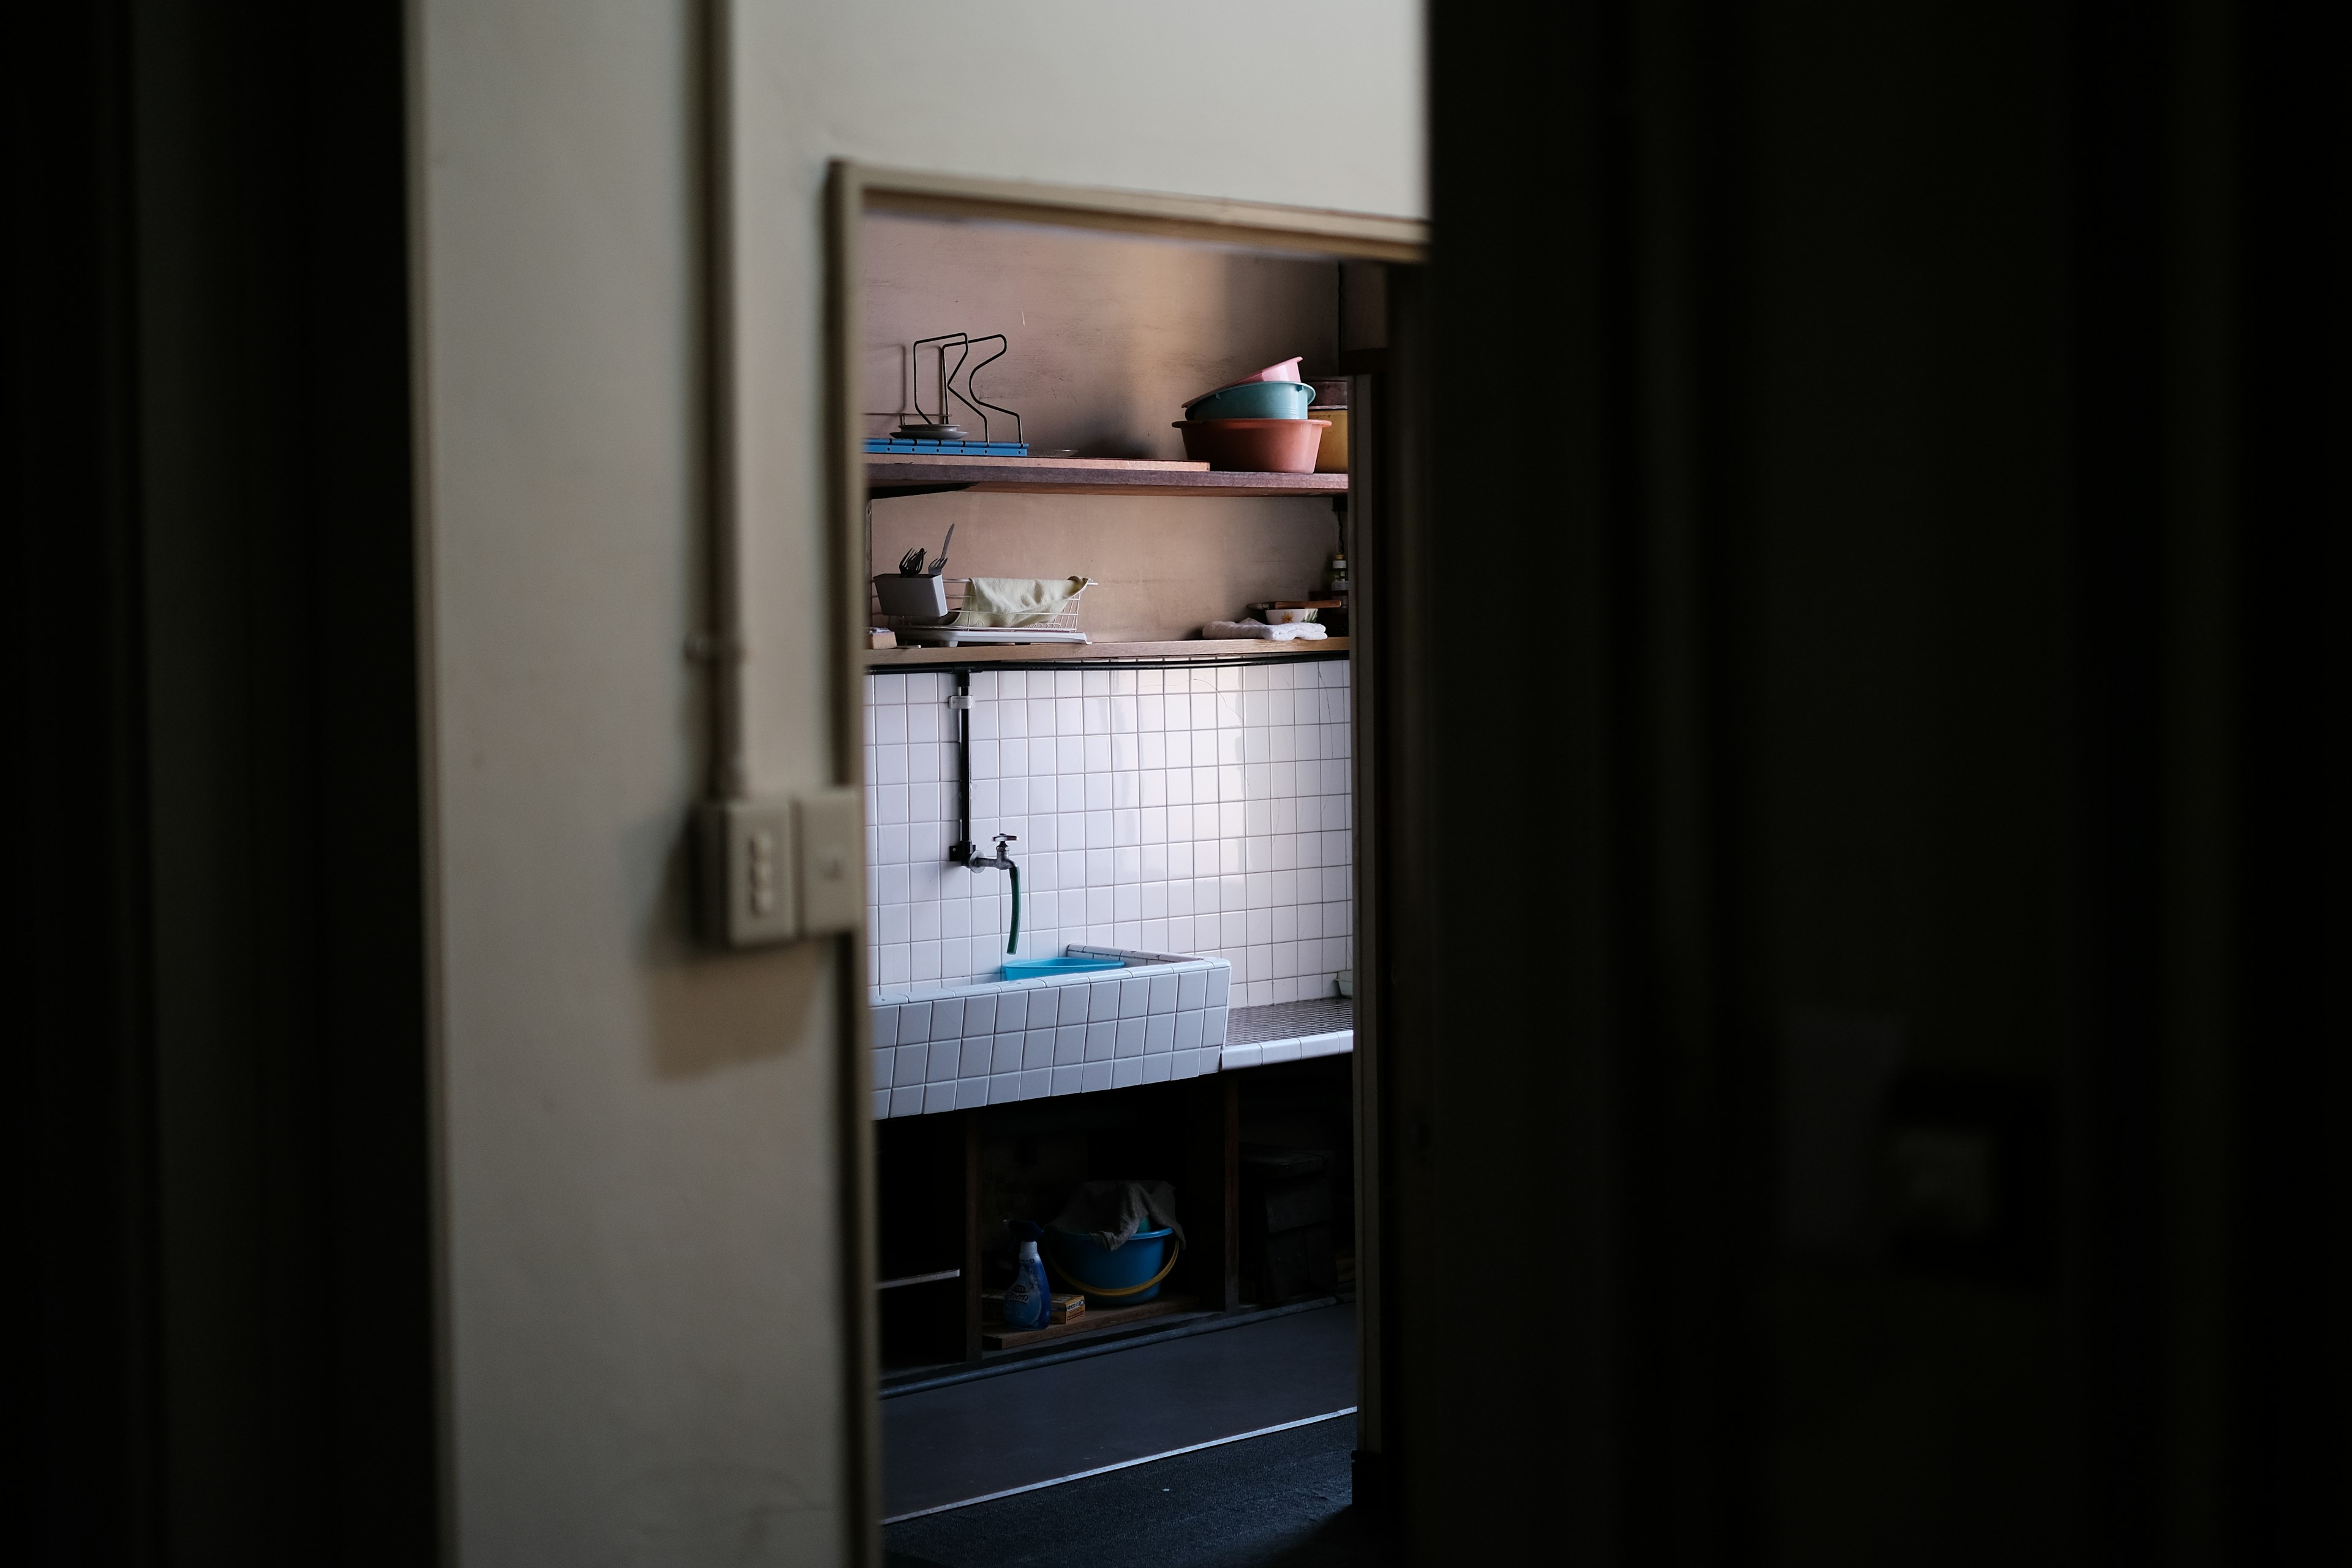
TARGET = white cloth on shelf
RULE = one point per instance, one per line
(1112, 1212)
(1291, 631)
(1015, 600)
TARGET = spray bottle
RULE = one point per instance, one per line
(1028, 1303)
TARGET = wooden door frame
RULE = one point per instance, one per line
(852, 190)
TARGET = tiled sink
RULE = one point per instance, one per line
(1160, 1016)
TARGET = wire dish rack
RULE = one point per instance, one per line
(1059, 625)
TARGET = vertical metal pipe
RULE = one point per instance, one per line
(960, 850)
(722, 643)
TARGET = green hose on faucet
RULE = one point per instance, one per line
(1013, 940)
(1003, 861)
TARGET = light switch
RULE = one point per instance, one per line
(780, 868)
(832, 833)
(747, 872)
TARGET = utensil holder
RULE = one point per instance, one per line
(912, 598)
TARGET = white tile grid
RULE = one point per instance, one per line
(954, 1049)
(1203, 811)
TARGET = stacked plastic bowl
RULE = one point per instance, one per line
(1259, 425)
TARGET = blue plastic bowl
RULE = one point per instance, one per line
(1083, 1263)
(1046, 968)
(1254, 400)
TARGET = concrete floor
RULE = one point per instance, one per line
(1277, 1501)
(992, 1434)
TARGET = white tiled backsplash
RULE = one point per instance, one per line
(1178, 810)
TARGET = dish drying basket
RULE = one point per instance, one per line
(1058, 626)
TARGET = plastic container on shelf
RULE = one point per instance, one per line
(1332, 453)
(1253, 400)
(1060, 964)
(1254, 445)
(1028, 1300)
(1128, 1276)
(915, 597)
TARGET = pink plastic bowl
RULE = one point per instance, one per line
(1284, 370)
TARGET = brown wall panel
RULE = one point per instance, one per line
(1110, 334)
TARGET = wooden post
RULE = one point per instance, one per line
(969, 1297)
(1211, 1199)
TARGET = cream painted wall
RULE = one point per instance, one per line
(1322, 109)
(638, 1156)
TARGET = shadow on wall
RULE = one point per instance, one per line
(707, 1010)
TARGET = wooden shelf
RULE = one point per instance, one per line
(907, 473)
(1098, 652)
(997, 1337)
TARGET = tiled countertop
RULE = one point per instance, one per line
(956, 1049)
(1288, 1032)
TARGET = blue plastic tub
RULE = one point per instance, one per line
(1046, 968)
(1112, 1279)
(1253, 400)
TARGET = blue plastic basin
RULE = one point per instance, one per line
(1046, 968)
(1254, 400)
(1082, 1262)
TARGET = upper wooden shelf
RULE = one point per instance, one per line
(907, 473)
(1098, 652)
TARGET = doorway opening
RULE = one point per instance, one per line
(1107, 701)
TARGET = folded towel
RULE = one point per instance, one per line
(1292, 631)
(1016, 601)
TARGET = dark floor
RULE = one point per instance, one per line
(978, 1438)
(1276, 1501)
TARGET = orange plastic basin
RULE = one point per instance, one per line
(1254, 445)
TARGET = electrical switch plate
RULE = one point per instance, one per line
(781, 868)
(749, 893)
(831, 829)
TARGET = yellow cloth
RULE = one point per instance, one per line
(1016, 601)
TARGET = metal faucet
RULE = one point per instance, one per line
(1003, 861)
(1000, 862)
